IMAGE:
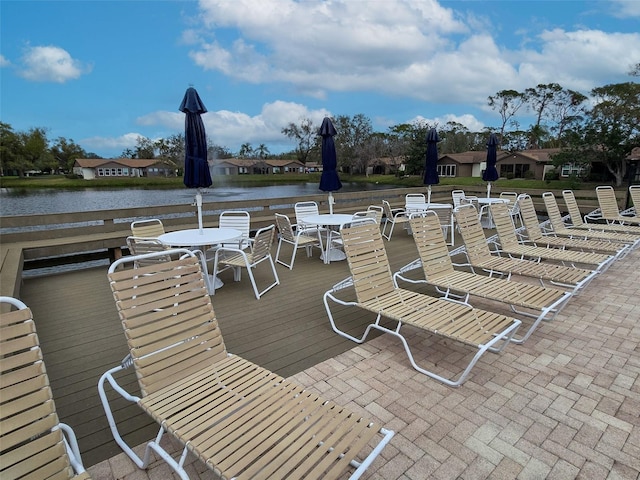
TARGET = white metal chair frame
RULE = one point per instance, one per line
(392, 216)
(306, 238)
(236, 259)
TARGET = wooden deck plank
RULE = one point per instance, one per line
(286, 331)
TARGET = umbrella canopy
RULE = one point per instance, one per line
(431, 161)
(329, 181)
(196, 167)
(490, 173)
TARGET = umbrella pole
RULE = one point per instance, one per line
(488, 189)
(199, 204)
(428, 194)
(331, 202)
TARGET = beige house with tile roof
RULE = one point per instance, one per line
(92, 168)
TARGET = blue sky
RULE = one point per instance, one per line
(104, 72)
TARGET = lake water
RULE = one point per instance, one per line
(39, 201)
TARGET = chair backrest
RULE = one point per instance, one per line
(168, 320)
(504, 225)
(553, 211)
(262, 242)
(634, 192)
(530, 218)
(367, 261)
(238, 220)
(150, 228)
(284, 227)
(431, 246)
(472, 233)
(304, 209)
(378, 210)
(607, 201)
(31, 439)
(511, 196)
(141, 246)
(415, 198)
(457, 196)
(571, 204)
(386, 206)
(372, 214)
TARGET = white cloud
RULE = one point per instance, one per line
(232, 129)
(468, 120)
(4, 62)
(626, 8)
(50, 64)
(128, 140)
(408, 48)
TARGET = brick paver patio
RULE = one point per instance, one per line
(564, 405)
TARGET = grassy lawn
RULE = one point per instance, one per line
(59, 181)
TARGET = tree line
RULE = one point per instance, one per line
(601, 128)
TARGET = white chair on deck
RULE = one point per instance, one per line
(236, 259)
(393, 216)
(298, 239)
(514, 206)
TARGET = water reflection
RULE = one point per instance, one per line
(41, 201)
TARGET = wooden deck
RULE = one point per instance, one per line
(286, 331)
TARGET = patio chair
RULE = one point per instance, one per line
(298, 239)
(480, 257)
(460, 198)
(578, 227)
(372, 211)
(514, 206)
(149, 228)
(535, 235)
(238, 220)
(140, 246)
(609, 207)
(375, 292)
(538, 302)
(414, 198)
(510, 245)
(393, 217)
(33, 442)
(236, 259)
(239, 419)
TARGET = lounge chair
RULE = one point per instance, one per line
(634, 193)
(34, 444)
(375, 292)
(236, 259)
(536, 237)
(510, 245)
(578, 227)
(239, 419)
(140, 246)
(539, 302)
(480, 257)
(609, 208)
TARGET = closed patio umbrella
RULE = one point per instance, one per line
(490, 173)
(431, 162)
(329, 180)
(196, 167)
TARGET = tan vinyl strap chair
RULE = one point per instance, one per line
(375, 292)
(535, 235)
(298, 239)
(510, 245)
(481, 258)
(514, 206)
(392, 217)
(237, 259)
(239, 419)
(33, 442)
(609, 207)
(140, 246)
(150, 228)
(539, 302)
(634, 192)
(578, 227)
